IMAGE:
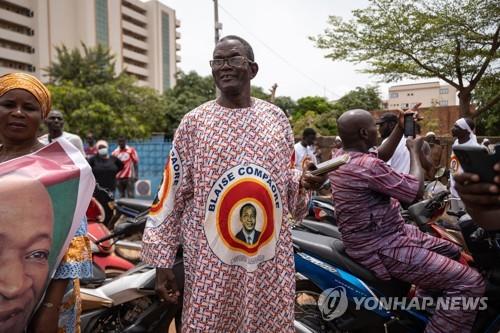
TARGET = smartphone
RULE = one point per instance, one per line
(330, 165)
(478, 160)
(409, 125)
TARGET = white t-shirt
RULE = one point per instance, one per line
(72, 138)
(301, 152)
(400, 160)
(455, 167)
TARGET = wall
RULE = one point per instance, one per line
(152, 157)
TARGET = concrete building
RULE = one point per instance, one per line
(141, 33)
(429, 94)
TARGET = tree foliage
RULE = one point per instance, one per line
(488, 123)
(93, 98)
(95, 66)
(456, 41)
(190, 91)
(360, 98)
(286, 103)
(312, 103)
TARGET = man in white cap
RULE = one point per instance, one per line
(463, 131)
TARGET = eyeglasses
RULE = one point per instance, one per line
(237, 61)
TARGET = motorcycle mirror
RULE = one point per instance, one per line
(440, 173)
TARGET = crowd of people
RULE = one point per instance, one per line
(233, 178)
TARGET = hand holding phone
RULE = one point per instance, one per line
(477, 160)
(409, 125)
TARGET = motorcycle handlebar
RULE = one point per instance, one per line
(131, 226)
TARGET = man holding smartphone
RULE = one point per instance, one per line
(481, 199)
(366, 192)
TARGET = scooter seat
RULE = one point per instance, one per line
(324, 228)
(136, 204)
(333, 251)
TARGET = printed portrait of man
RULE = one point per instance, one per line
(26, 229)
(248, 219)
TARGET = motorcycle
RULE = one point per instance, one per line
(322, 263)
(103, 252)
(429, 216)
(128, 302)
(322, 209)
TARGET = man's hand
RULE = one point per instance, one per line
(46, 320)
(415, 145)
(166, 286)
(413, 110)
(307, 180)
(479, 195)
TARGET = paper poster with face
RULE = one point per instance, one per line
(43, 197)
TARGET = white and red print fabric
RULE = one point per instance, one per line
(229, 176)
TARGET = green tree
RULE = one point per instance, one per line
(312, 103)
(95, 66)
(286, 104)
(360, 98)
(93, 98)
(259, 92)
(488, 123)
(456, 41)
(190, 91)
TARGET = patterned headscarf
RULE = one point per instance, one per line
(29, 83)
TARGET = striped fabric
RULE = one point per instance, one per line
(366, 193)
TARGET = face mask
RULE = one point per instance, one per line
(103, 151)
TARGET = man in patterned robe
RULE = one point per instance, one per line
(227, 153)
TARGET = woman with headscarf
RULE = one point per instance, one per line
(105, 167)
(24, 104)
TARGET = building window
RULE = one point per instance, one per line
(443, 91)
(165, 41)
(443, 103)
(101, 22)
(393, 95)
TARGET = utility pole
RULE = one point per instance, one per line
(217, 27)
(217, 24)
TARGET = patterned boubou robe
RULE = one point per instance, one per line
(223, 159)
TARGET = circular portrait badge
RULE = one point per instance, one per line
(243, 216)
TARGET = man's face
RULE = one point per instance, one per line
(55, 121)
(122, 143)
(310, 139)
(458, 132)
(20, 116)
(232, 80)
(90, 140)
(25, 240)
(248, 218)
(386, 128)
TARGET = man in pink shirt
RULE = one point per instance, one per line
(366, 193)
(125, 179)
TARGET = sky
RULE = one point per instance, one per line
(278, 31)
